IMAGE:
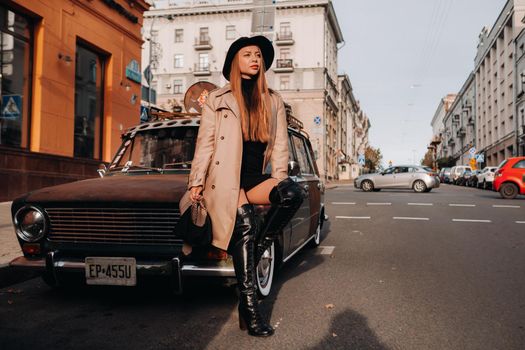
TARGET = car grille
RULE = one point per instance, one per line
(113, 225)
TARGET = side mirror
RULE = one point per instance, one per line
(102, 169)
(293, 168)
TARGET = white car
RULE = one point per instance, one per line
(416, 177)
(457, 171)
(486, 177)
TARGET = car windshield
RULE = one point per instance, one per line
(157, 149)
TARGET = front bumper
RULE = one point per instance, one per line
(176, 268)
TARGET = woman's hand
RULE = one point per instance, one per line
(196, 193)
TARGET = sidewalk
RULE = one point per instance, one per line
(334, 184)
(9, 248)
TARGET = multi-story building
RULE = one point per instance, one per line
(70, 83)
(459, 125)
(353, 138)
(495, 80)
(438, 127)
(191, 38)
(520, 89)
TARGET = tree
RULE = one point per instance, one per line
(446, 162)
(373, 158)
(427, 159)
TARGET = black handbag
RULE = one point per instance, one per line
(194, 225)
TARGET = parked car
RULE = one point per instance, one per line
(122, 226)
(444, 175)
(472, 181)
(456, 172)
(416, 177)
(464, 177)
(509, 179)
(486, 177)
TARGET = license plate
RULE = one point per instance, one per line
(111, 271)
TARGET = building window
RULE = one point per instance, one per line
(204, 37)
(284, 82)
(285, 29)
(230, 32)
(203, 62)
(177, 86)
(284, 53)
(179, 35)
(16, 55)
(179, 61)
(89, 75)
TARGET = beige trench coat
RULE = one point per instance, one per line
(218, 154)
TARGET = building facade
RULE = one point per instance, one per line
(459, 125)
(520, 95)
(438, 126)
(496, 125)
(70, 85)
(188, 41)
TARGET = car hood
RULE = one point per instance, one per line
(158, 188)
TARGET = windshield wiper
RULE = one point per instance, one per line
(177, 164)
(127, 168)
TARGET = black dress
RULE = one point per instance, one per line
(252, 152)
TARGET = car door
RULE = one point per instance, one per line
(401, 177)
(384, 179)
(301, 221)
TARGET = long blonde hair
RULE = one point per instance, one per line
(255, 121)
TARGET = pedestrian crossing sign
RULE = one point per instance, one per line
(11, 107)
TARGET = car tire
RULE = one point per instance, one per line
(376, 189)
(484, 185)
(508, 190)
(419, 186)
(428, 190)
(265, 271)
(367, 186)
(314, 242)
(50, 279)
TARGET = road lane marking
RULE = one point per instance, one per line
(520, 222)
(373, 203)
(470, 220)
(353, 217)
(462, 205)
(326, 250)
(343, 203)
(427, 204)
(505, 206)
(409, 218)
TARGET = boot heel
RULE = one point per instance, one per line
(242, 323)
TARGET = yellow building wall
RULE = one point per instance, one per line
(61, 24)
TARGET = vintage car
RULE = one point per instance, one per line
(116, 228)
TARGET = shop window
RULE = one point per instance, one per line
(15, 80)
(89, 76)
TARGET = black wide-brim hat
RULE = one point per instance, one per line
(260, 41)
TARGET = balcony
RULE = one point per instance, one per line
(202, 43)
(461, 132)
(284, 38)
(200, 70)
(283, 66)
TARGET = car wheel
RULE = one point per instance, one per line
(428, 190)
(508, 190)
(314, 242)
(265, 271)
(419, 186)
(367, 186)
(50, 280)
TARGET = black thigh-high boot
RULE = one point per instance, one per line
(286, 198)
(242, 250)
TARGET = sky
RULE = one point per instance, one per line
(402, 57)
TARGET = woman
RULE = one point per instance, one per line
(243, 129)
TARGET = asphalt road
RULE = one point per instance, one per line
(395, 270)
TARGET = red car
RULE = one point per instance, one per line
(509, 179)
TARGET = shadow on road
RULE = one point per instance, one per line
(350, 330)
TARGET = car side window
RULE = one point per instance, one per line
(389, 170)
(520, 164)
(302, 156)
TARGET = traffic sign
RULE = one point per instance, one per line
(361, 159)
(480, 158)
(11, 107)
(472, 150)
(473, 163)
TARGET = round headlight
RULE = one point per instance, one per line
(30, 224)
